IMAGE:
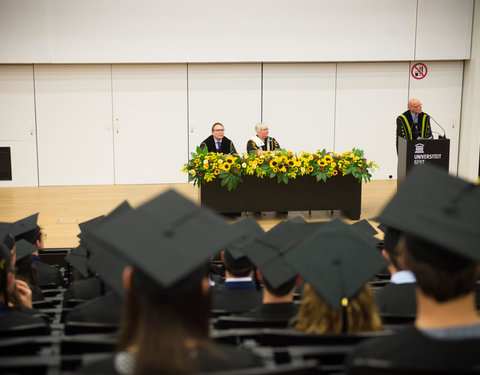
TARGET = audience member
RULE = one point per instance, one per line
(398, 297)
(441, 246)
(239, 292)
(22, 314)
(336, 263)
(28, 230)
(165, 325)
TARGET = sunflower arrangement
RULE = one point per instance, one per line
(281, 164)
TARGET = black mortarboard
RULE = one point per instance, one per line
(267, 251)
(437, 208)
(234, 253)
(90, 224)
(336, 261)
(101, 259)
(24, 248)
(78, 258)
(25, 225)
(167, 238)
(365, 229)
(6, 236)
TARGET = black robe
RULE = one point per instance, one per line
(226, 147)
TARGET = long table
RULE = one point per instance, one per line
(302, 194)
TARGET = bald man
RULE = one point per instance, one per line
(414, 123)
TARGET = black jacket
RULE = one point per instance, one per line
(226, 147)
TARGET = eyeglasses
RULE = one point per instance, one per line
(218, 130)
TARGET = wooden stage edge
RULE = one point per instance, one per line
(63, 207)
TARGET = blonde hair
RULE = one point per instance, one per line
(316, 316)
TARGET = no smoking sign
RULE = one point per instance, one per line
(419, 71)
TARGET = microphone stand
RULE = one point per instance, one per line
(441, 127)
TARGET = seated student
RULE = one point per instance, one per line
(27, 229)
(25, 270)
(398, 297)
(86, 285)
(336, 263)
(239, 291)
(106, 308)
(165, 327)
(12, 316)
(441, 246)
(279, 280)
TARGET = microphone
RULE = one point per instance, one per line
(441, 127)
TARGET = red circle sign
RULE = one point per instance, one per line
(419, 71)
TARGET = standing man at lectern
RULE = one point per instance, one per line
(414, 123)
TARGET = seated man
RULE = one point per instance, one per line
(398, 297)
(239, 291)
(261, 143)
(217, 142)
(441, 246)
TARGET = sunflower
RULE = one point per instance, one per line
(274, 170)
(216, 172)
(322, 163)
(273, 163)
(310, 169)
(334, 172)
(328, 158)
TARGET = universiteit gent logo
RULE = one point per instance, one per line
(419, 148)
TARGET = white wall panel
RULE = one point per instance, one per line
(151, 130)
(152, 31)
(228, 93)
(370, 96)
(25, 31)
(17, 123)
(299, 105)
(74, 121)
(444, 29)
(441, 95)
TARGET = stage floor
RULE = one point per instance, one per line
(63, 207)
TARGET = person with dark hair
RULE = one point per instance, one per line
(217, 142)
(10, 288)
(398, 297)
(165, 325)
(26, 270)
(27, 229)
(239, 292)
(441, 246)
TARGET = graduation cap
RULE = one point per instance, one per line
(6, 237)
(25, 225)
(78, 258)
(90, 224)
(267, 251)
(365, 229)
(437, 208)
(336, 261)
(24, 248)
(167, 239)
(234, 254)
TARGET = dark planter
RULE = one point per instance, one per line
(302, 194)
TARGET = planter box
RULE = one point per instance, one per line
(302, 194)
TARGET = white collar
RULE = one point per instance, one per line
(258, 141)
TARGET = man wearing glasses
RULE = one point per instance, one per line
(414, 123)
(217, 142)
